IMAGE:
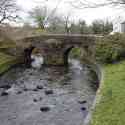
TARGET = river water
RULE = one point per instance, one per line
(48, 96)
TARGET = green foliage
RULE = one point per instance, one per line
(101, 27)
(39, 15)
(75, 53)
(110, 48)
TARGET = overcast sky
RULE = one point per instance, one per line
(65, 8)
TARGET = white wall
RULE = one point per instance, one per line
(117, 27)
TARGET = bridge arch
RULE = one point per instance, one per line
(82, 54)
(32, 53)
(56, 48)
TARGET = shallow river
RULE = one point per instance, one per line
(49, 96)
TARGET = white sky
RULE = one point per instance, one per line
(65, 8)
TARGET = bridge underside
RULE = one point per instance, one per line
(55, 50)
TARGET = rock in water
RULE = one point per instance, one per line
(4, 93)
(48, 92)
(44, 109)
(39, 87)
(35, 100)
(82, 101)
(5, 86)
(83, 108)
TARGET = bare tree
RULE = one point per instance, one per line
(8, 9)
(39, 15)
(67, 23)
(42, 15)
(82, 4)
(55, 22)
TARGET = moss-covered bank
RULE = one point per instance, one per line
(6, 61)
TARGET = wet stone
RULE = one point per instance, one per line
(31, 73)
(45, 109)
(22, 81)
(48, 92)
(5, 86)
(65, 83)
(39, 87)
(35, 100)
(83, 108)
(39, 99)
(35, 90)
(82, 101)
(4, 94)
(19, 92)
(25, 89)
(49, 79)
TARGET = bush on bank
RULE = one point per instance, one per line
(111, 48)
(110, 107)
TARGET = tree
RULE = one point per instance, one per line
(74, 28)
(67, 23)
(42, 15)
(102, 27)
(108, 27)
(82, 27)
(56, 24)
(39, 15)
(8, 9)
(82, 4)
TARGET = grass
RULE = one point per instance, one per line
(6, 61)
(110, 110)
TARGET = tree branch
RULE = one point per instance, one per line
(8, 9)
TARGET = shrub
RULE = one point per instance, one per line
(111, 48)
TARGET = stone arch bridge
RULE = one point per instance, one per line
(55, 48)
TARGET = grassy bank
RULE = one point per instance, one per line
(111, 108)
(6, 61)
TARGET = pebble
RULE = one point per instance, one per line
(39, 87)
(19, 92)
(5, 86)
(82, 101)
(25, 89)
(83, 108)
(31, 73)
(4, 94)
(35, 100)
(35, 89)
(22, 81)
(45, 109)
(48, 92)
(40, 98)
(65, 83)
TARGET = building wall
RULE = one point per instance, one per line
(123, 27)
(119, 26)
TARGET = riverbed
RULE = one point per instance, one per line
(46, 96)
